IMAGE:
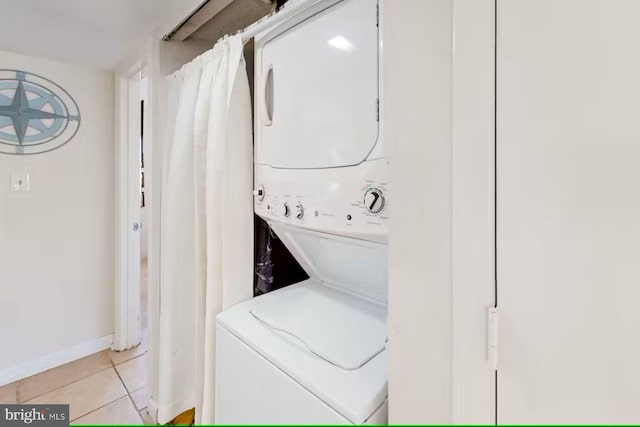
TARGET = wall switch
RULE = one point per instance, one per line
(20, 181)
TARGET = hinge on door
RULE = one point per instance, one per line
(377, 109)
(492, 337)
(377, 15)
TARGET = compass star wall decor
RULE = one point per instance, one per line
(36, 114)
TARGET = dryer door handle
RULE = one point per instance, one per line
(267, 104)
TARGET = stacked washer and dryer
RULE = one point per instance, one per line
(315, 352)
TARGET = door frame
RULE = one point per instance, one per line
(127, 319)
(441, 260)
(473, 210)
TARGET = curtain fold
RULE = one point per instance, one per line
(206, 224)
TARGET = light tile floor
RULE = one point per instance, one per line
(104, 388)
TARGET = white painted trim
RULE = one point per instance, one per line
(121, 215)
(53, 360)
(418, 45)
(154, 122)
(441, 237)
(473, 197)
(147, 64)
(152, 409)
(127, 298)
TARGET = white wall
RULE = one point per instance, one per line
(417, 89)
(56, 241)
(439, 108)
(568, 157)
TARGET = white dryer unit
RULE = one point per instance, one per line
(315, 352)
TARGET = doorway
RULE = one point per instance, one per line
(144, 229)
(131, 209)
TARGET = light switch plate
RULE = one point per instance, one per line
(20, 181)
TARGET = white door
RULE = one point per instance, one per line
(568, 211)
(134, 210)
(128, 197)
(319, 90)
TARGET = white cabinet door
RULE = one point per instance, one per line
(568, 212)
(319, 83)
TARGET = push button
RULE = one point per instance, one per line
(259, 192)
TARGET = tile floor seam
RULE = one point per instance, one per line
(100, 407)
(123, 361)
(72, 382)
(134, 401)
(123, 383)
(106, 404)
(127, 360)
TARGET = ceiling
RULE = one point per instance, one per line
(97, 33)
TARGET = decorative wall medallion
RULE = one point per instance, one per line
(36, 114)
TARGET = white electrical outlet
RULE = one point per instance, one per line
(20, 181)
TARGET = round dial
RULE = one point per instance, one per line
(286, 210)
(374, 200)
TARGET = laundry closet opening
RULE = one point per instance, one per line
(275, 128)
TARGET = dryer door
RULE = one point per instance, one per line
(319, 89)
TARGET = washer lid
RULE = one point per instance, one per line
(355, 394)
(342, 329)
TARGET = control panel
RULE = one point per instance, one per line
(351, 201)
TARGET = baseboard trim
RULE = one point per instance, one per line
(52, 360)
(152, 409)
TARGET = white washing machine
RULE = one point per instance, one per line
(315, 352)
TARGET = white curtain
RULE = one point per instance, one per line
(206, 223)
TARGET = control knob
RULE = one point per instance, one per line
(299, 211)
(374, 200)
(286, 211)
